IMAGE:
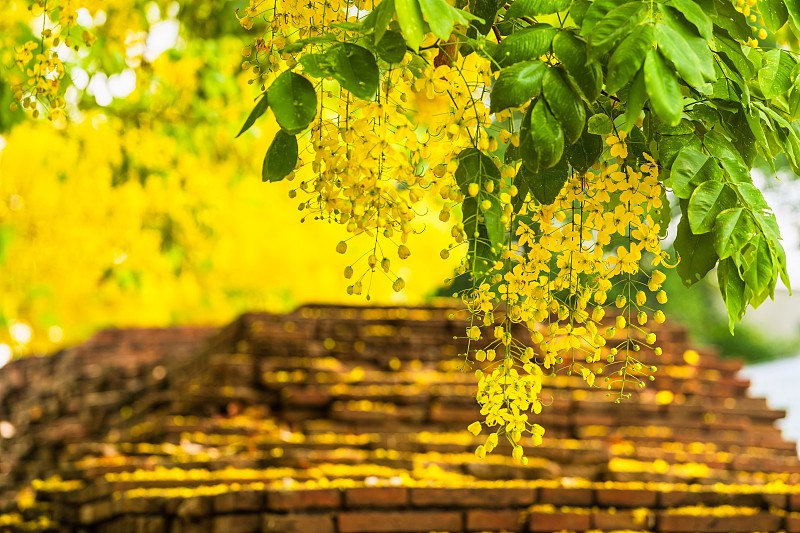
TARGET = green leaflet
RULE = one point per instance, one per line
(492, 219)
(733, 229)
(731, 52)
(571, 52)
(688, 53)
(637, 96)
(721, 148)
(481, 253)
(315, 65)
(391, 48)
(691, 168)
(564, 103)
(732, 288)
(596, 11)
(260, 108)
(517, 84)
(732, 21)
(475, 167)
(774, 13)
(663, 89)
(379, 18)
(293, 100)
(541, 138)
(600, 124)
(533, 8)
(774, 78)
(585, 152)
(441, 17)
(525, 45)
(695, 15)
(355, 69)
(708, 200)
(546, 184)
(486, 10)
(615, 25)
(696, 253)
(281, 157)
(793, 8)
(628, 57)
(409, 17)
(761, 273)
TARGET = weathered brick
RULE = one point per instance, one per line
(557, 521)
(792, 524)
(298, 523)
(486, 520)
(496, 497)
(151, 524)
(237, 523)
(293, 500)
(611, 519)
(397, 522)
(626, 498)
(794, 501)
(566, 496)
(376, 497)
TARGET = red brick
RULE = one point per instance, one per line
(608, 520)
(792, 524)
(237, 523)
(292, 500)
(558, 521)
(297, 523)
(230, 502)
(718, 524)
(396, 522)
(376, 497)
(564, 496)
(483, 520)
(626, 498)
(794, 501)
(497, 497)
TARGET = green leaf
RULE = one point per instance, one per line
(731, 52)
(615, 25)
(571, 51)
(293, 100)
(708, 200)
(578, 10)
(663, 89)
(600, 124)
(492, 217)
(730, 158)
(315, 65)
(637, 96)
(541, 138)
(732, 288)
(732, 21)
(486, 10)
(693, 13)
(793, 7)
(281, 157)
(441, 17)
(627, 59)
(688, 54)
(525, 45)
(584, 153)
(596, 11)
(696, 253)
(475, 167)
(355, 69)
(534, 8)
(691, 168)
(378, 19)
(733, 229)
(391, 48)
(670, 145)
(774, 77)
(774, 13)
(564, 103)
(259, 109)
(517, 84)
(409, 17)
(546, 184)
(761, 273)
